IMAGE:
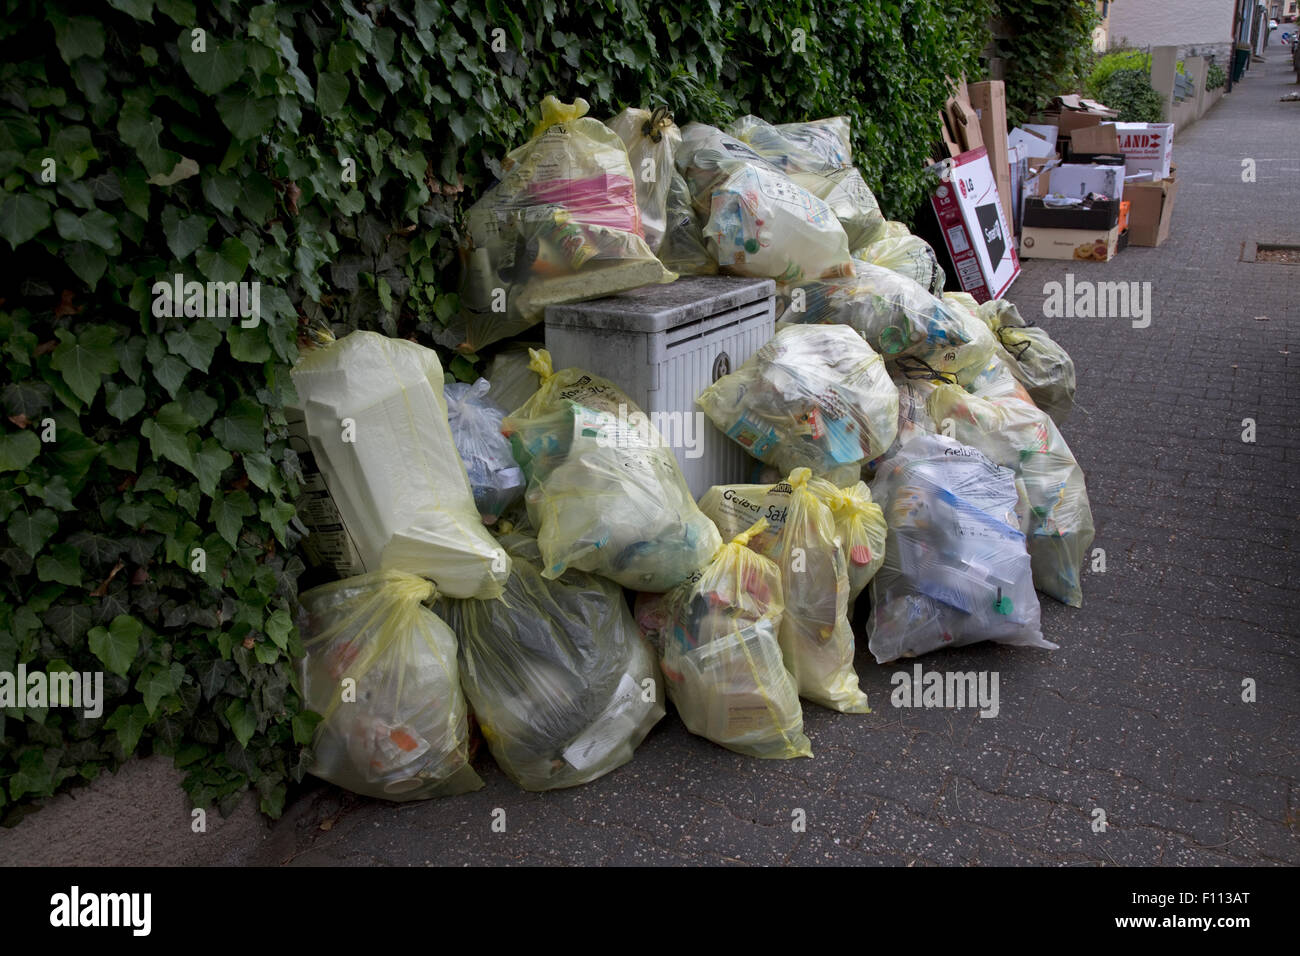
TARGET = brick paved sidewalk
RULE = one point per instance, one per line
(1140, 712)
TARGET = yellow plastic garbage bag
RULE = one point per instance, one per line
(860, 525)
(722, 663)
(892, 313)
(913, 415)
(651, 137)
(562, 684)
(380, 668)
(512, 381)
(815, 396)
(850, 198)
(384, 486)
(909, 256)
(1042, 366)
(998, 379)
(965, 355)
(604, 491)
(1025, 439)
(561, 226)
(956, 570)
(817, 146)
(683, 249)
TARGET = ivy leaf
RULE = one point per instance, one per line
(212, 674)
(249, 345)
(304, 727)
(228, 513)
(87, 262)
(159, 681)
(18, 450)
(199, 405)
(62, 564)
(96, 227)
(77, 37)
(129, 721)
(242, 721)
(278, 627)
(35, 773)
(31, 531)
(184, 234)
(242, 429)
(209, 463)
(195, 343)
(141, 130)
(69, 622)
(226, 264)
(277, 514)
(168, 434)
(331, 92)
(22, 217)
(214, 69)
(221, 191)
(123, 403)
(85, 359)
(118, 644)
(246, 118)
(140, 9)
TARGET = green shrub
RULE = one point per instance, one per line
(1047, 53)
(1215, 76)
(1130, 93)
(1106, 65)
(229, 164)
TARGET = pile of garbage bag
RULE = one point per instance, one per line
(815, 396)
(721, 659)
(380, 669)
(562, 683)
(605, 493)
(562, 225)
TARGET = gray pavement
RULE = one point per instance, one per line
(1139, 714)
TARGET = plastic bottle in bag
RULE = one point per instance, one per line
(404, 734)
(384, 485)
(562, 683)
(956, 570)
(605, 491)
(814, 396)
(722, 663)
(683, 249)
(494, 476)
(860, 525)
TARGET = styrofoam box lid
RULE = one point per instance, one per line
(657, 308)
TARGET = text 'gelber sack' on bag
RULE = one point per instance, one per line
(722, 663)
(815, 396)
(561, 226)
(562, 683)
(380, 669)
(383, 486)
(604, 489)
(494, 476)
(1024, 439)
(956, 569)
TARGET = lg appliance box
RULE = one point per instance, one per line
(975, 230)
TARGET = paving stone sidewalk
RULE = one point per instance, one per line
(1139, 714)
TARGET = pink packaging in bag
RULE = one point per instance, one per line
(601, 200)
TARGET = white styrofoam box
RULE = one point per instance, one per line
(664, 345)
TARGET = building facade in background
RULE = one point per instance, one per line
(1196, 27)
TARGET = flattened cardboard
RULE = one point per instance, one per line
(1095, 139)
(989, 98)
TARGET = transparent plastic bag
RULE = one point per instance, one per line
(814, 396)
(561, 226)
(722, 663)
(683, 249)
(390, 490)
(817, 146)
(966, 353)
(512, 381)
(956, 570)
(860, 526)
(761, 223)
(850, 198)
(404, 735)
(1043, 367)
(561, 682)
(909, 256)
(1024, 439)
(892, 313)
(998, 380)
(815, 634)
(604, 490)
(494, 476)
(707, 157)
(651, 138)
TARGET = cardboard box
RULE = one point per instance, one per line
(975, 230)
(989, 99)
(965, 125)
(1151, 206)
(1050, 133)
(1095, 139)
(1078, 180)
(1097, 216)
(1147, 146)
(1039, 242)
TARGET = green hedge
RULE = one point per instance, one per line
(153, 537)
(1048, 52)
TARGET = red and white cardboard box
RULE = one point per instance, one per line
(975, 228)
(1146, 146)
